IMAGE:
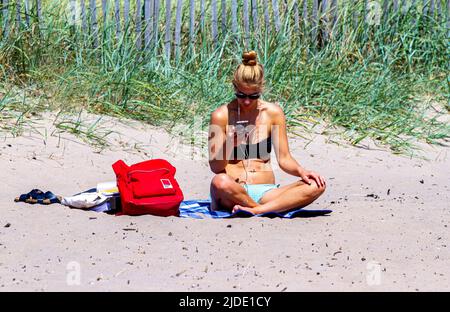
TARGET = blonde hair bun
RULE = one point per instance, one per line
(249, 58)
(250, 72)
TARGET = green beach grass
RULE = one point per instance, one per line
(369, 81)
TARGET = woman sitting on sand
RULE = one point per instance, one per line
(241, 136)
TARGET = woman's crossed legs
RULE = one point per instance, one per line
(229, 195)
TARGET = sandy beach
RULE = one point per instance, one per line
(388, 230)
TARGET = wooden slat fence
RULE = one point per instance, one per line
(187, 22)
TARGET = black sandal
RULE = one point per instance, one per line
(36, 196)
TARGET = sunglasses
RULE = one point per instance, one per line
(254, 96)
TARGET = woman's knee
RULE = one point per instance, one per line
(221, 181)
(314, 190)
(319, 190)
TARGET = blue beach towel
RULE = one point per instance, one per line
(200, 209)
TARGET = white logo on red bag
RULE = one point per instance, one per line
(166, 183)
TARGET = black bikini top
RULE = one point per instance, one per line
(260, 150)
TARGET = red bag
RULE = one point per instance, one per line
(148, 187)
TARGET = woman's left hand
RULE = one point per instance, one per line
(307, 176)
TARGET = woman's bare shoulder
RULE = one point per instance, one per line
(272, 108)
(220, 114)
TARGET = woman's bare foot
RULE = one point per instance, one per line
(253, 210)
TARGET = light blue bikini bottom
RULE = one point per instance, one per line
(257, 191)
